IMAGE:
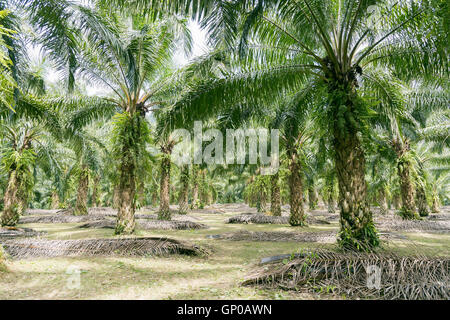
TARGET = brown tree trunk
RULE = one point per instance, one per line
(116, 197)
(202, 189)
(154, 198)
(55, 200)
(422, 205)
(383, 201)
(82, 194)
(125, 223)
(297, 214)
(164, 209)
(183, 200)
(408, 210)
(396, 202)
(262, 201)
(195, 202)
(11, 211)
(95, 200)
(275, 199)
(141, 193)
(357, 228)
(312, 198)
(435, 206)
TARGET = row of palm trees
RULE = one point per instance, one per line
(322, 72)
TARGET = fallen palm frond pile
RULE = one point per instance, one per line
(14, 232)
(169, 225)
(368, 275)
(100, 224)
(394, 223)
(32, 212)
(321, 236)
(61, 218)
(260, 218)
(31, 248)
(439, 217)
(147, 224)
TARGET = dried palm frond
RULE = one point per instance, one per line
(148, 224)
(321, 236)
(32, 212)
(260, 218)
(14, 232)
(31, 248)
(61, 218)
(395, 223)
(169, 225)
(355, 274)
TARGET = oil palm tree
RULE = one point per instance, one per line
(132, 62)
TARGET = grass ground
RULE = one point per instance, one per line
(217, 276)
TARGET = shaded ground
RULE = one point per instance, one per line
(235, 252)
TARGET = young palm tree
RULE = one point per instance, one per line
(133, 63)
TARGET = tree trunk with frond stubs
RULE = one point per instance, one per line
(382, 201)
(116, 197)
(95, 195)
(275, 199)
(312, 199)
(297, 214)
(357, 231)
(435, 208)
(10, 215)
(408, 209)
(422, 205)
(125, 223)
(164, 208)
(195, 201)
(55, 200)
(82, 192)
(183, 200)
(396, 201)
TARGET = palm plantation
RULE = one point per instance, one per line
(357, 90)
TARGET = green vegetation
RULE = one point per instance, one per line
(91, 93)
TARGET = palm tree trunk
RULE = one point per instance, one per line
(357, 228)
(408, 209)
(154, 198)
(164, 209)
(125, 222)
(422, 205)
(82, 193)
(312, 198)
(202, 189)
(262, 201)
(297, 214)
(382, 201)
(183, 200)
(194, 187)
(396, 201)
(435, 206)
(275, 199)
(95, 200)
(116, 197)
(10, 216)
(141, 193)
(55, 200)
